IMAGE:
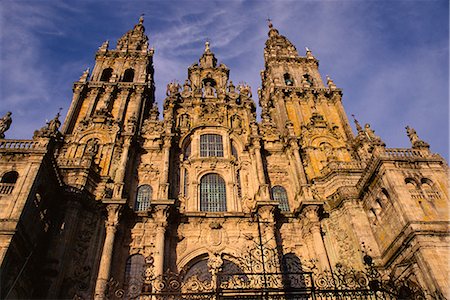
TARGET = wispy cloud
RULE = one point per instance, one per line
(391, 58)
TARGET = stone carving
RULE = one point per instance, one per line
(209, 91)
(172, 89)
(416, 142)
(371, 136)
(50, 130)
(92, 147)
(5, 123)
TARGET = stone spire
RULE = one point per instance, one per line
(134, 39)
(278, 46)
(208, 59)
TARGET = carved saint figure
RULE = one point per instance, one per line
(209, 90)
(54, 124)
(370, 134)
(92, 147)
(5, 123)
(412, 134)
(184, 120)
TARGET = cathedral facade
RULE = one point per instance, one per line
(206, 200)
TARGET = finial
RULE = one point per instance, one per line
(269, 22)
(358, 126)
(141, 19)
(207, 49)
(309, 54)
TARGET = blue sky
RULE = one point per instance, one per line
(391, 58)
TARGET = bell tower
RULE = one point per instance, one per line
(107, 111)
(294, 95)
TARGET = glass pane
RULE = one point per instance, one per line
(143, 198)
(211, 145)
(279, 194)
(213, 193)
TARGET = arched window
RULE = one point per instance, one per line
(128, 75)
(211, 145)
(10, 177)
(106, 74)
(279, 194)
(213, 196)
(288, 79)
(7, 182)
(143, 198)
(134, 274)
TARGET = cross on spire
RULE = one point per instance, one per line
(269, 22)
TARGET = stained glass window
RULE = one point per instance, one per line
(211, 145)
(143, 198)
(279, 194)
(213, 196)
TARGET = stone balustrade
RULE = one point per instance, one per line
(403, 153)
(19, 144)
(6, 188)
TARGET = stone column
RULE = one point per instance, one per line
(268, 239)
(311, 214)
(93, 95)
(298, 162)
(77, 89)
(160, 218)
(105, 261)
(164, 183)
(125, 93)
(121, 169)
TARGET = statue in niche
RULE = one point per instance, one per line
(184, 121)
(5, 123)
(209, 89)
(92, 147)
(236, 124)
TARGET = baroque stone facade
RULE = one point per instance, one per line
(119, 199)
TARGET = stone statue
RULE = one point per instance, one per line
(186, 86)
(184, 120)
(412, 134)
(5, 123)
(172, 89)
(414, 138)
(371, 136)
(54, 124)
(92, 147)
(209, 90)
